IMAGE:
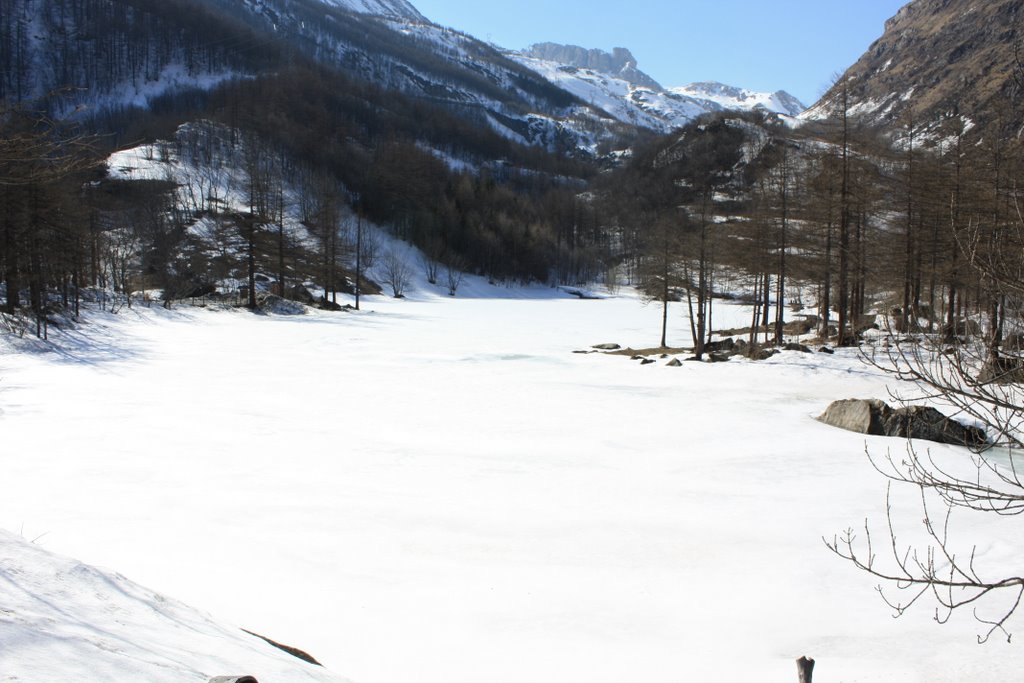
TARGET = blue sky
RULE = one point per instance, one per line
(793, 45)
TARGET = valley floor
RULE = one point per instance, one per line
(439, 491)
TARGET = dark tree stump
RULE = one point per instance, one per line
(805, 668)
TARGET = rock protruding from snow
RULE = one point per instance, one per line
(274, 304)
(876, 417)
(858, 415)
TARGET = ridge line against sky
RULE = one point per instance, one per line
(791, 45)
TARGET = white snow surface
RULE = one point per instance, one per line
(63, 620)
(438, 490)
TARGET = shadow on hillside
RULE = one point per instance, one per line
(96, 339)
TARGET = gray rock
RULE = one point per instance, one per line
(272, 303)
(800, 327)
(872, 416)
(300, 294)
(828, 350)
(727, 344)
(606, 347)
(328, 305)
(647, 361)
(924, 422)
(858, 415)
(675, 363)
(796, 347)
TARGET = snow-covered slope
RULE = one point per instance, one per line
(385, 8)
(63, 620)
(635, 104)
(729, 97)
(611, 82)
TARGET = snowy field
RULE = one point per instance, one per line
(438, 490)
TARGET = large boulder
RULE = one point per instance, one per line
(797, 328)
(727, 344)
(271, 303)
(301, 294)
(864, 416)
(923, 422)
(876, 417)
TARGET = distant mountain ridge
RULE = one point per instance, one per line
(565, 98)
(613, 82)
(730, 97)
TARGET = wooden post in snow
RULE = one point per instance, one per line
(805, 668)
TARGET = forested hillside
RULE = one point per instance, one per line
(439, 139)
(317, 115)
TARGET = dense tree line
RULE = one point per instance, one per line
(869, 221)
(101, 49)
(441, 176)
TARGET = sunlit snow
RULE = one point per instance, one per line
(438, 490)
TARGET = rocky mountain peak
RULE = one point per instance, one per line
(620, 62)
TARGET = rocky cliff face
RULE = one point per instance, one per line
(940, 59)
(620, 62)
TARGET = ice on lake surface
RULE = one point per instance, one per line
(438, 490)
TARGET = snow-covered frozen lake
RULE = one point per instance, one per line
(439, 491)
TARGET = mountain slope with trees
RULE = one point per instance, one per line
(939, 59)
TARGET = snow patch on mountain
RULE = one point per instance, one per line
(382, 8)
(729, 97)
(651, 107)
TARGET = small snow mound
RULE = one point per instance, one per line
(64, 620)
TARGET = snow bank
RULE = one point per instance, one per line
(63, 620)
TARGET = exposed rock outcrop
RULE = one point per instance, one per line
(620, 62)
(876, 417)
